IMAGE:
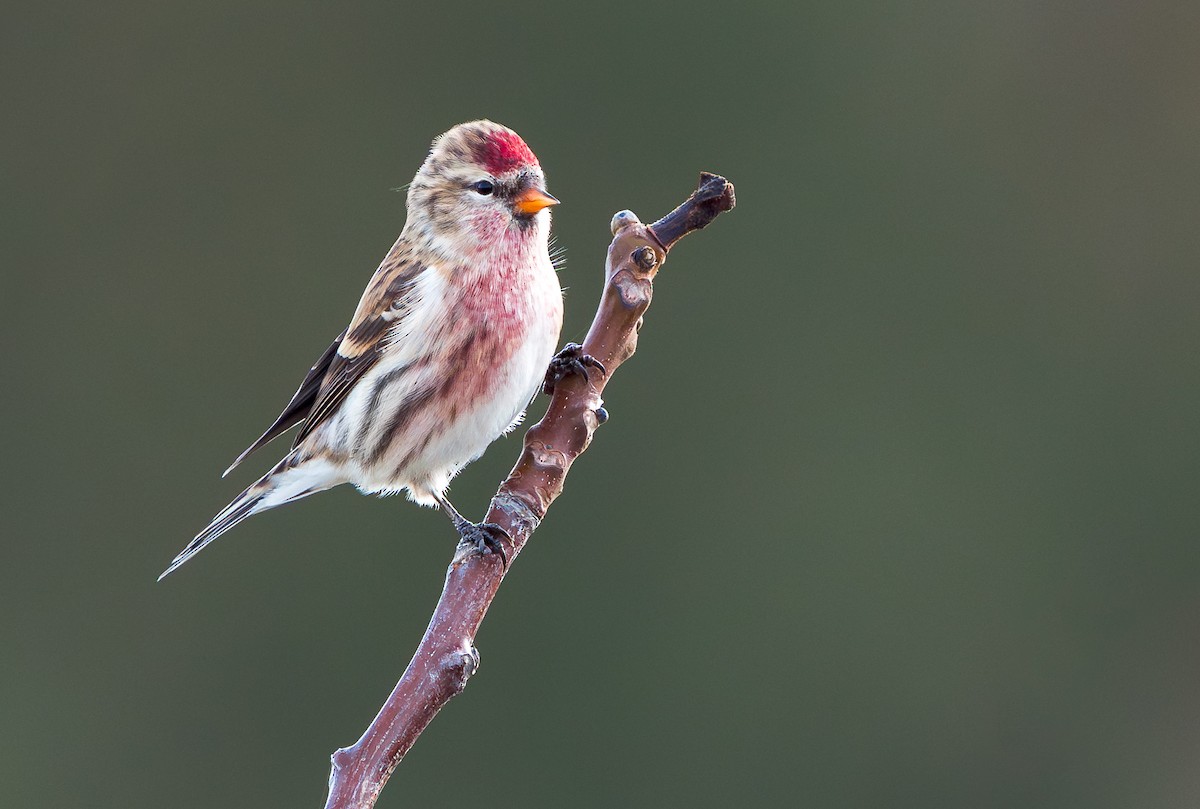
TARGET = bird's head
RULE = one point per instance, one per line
(481, 188)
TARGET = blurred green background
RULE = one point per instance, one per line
(897, 506)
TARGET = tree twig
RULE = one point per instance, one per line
(446, 657)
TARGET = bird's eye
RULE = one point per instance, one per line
(483, 187)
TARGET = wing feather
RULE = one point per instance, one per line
(298, 408)
(384, 303)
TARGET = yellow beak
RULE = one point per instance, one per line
(532, 200)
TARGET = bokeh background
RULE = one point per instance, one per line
(898, 503)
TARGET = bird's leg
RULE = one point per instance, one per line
(571, 360)
(481, 538)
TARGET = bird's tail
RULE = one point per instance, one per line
(292, 479)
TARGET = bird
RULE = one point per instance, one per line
(448, 345)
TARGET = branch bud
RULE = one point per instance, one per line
(622, 220)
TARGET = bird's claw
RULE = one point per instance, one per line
(571, 360)
(483, 539)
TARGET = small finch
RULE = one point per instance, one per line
(448, 345)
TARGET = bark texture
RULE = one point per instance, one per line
(446, 657)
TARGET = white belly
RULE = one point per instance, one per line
(465, 438)
(436, 442)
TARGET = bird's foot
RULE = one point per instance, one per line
(571, 360)
(482, 539)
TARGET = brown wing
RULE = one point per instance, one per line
(384, 303)
(298, 408)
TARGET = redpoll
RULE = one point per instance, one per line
(449, 343)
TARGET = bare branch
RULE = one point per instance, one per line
(446, 658)
(712, 197)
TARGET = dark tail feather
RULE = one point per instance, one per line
(231, 515)
(291, 479)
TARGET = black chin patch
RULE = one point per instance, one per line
(524, 220)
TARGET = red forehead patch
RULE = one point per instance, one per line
(504, 151)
